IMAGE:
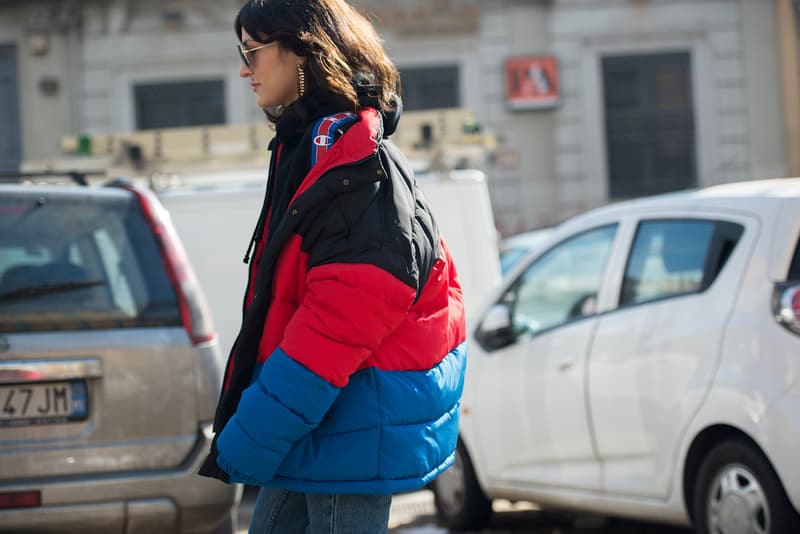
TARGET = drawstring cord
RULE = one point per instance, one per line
(246, 258)
(257, 234)
(259, 229)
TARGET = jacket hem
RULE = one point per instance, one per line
(358, 487)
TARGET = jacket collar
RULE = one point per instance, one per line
(359, 142)
(304, 112)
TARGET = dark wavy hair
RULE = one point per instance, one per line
(341, 47)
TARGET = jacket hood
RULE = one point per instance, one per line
(391, 117)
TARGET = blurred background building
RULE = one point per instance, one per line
(589, 101)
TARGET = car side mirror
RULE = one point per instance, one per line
(495, 331)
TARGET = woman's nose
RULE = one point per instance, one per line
(244, 71)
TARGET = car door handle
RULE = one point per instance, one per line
(565, 366)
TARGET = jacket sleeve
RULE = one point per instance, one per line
(347, 312)
(286, 402)
(361, 281)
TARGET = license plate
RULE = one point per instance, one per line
(32, 404)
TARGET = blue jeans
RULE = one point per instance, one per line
(280, 511)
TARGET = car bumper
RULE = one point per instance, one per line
(165, 501)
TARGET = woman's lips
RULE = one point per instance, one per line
(255, 86)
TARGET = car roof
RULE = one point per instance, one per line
(527, 239)
(756, 197)
(775, 202)
(62, 191)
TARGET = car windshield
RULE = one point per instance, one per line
(78, 262)
(516, 247)
(510, 257)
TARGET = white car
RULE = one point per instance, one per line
(645, 363)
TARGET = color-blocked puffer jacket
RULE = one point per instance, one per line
(348, 369)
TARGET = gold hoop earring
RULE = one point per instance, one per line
(301, 80)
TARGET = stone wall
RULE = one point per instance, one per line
(583, 33)
(148, 41)
(548, 164)
(45, 38)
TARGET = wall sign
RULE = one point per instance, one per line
(532, 82)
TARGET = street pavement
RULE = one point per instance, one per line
(414, 513)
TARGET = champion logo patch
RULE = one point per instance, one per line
(323, 140)
(324, 130)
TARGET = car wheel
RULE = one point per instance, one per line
(460, 502)
(738, 492)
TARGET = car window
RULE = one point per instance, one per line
(562, 284)
(72, 262)
(794, 269)
(676, 257)
(510, 257)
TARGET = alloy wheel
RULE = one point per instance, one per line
(737, 503)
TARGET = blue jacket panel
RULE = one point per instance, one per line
(362, 445)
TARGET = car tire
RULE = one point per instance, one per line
(460, 502)
(737, 491)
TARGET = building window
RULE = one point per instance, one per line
(430, 87)
(174, 104)
(650, 135)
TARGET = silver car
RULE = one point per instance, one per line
(109, 368)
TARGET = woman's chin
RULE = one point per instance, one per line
(264, 101)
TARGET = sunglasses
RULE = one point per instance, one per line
(244, 53)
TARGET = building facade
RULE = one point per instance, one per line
(589, 101)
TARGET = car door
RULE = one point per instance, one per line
(530, 396)
(654, 357)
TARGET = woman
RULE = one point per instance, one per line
(343, 385)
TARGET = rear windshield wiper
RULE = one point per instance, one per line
(25, 293)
